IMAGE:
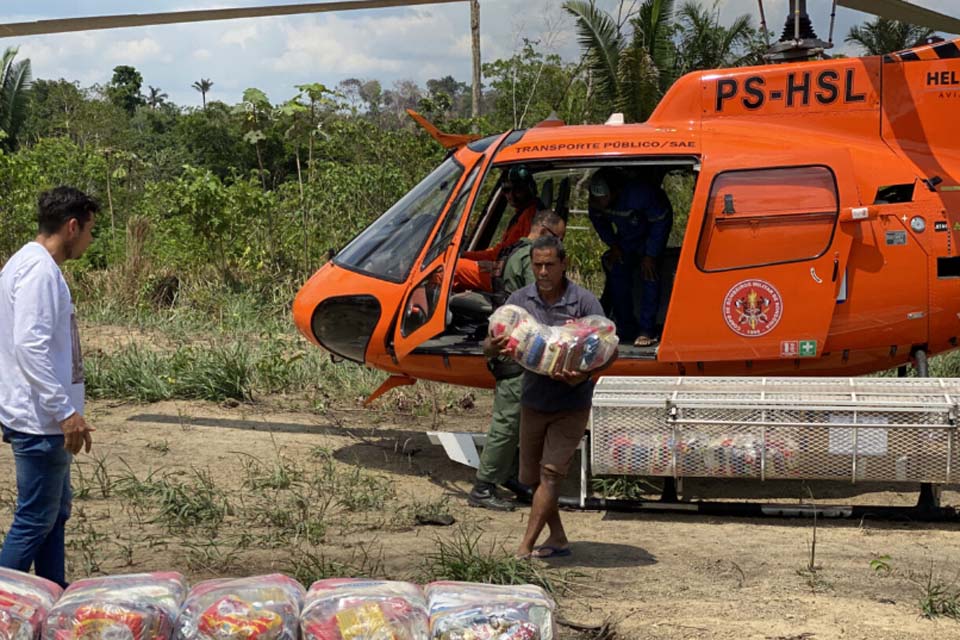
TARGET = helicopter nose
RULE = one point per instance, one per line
(343, 325)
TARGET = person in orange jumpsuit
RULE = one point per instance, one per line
(475, 268)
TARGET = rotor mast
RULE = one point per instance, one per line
(799, 41)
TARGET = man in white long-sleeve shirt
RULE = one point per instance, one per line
(41, 381)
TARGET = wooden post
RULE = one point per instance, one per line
(475, 33)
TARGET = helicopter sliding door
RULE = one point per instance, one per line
(762, 264)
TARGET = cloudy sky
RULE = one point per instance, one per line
(276, 53)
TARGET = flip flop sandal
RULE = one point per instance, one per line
(546, 551)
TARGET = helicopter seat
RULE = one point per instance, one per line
(556, 198)
(469, 313)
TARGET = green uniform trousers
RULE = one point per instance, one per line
(500, 457)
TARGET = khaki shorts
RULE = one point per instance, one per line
(548, 441)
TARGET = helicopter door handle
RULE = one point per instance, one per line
(859, 214)
(836, 269)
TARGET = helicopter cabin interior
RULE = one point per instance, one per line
(561, 186)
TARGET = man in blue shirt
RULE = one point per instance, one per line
(554, 410)
(633, 216)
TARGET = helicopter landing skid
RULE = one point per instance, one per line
(928, 508)
(760, 509)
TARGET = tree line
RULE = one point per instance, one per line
(258, 192)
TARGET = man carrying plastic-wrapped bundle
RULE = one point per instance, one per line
(498, 462)
(41, 384)
(555, 408)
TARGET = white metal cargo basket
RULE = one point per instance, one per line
(858, 429)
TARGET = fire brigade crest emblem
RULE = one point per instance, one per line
(752, 308)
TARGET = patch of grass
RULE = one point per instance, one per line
(125, 547)
(85, 541)
(130, 373)
(355, 488)
(101, 475)
(212, 555)
(128, 485)
(216, 373)
(360, 490)
(944, 365)
(624, 488)
(198, 502)
(296, 515)
(80, 483)
(431, 510)
(938, 598)
(234, 368)
(280, 474)
(308, 566)
(466, 557)
(188, 373)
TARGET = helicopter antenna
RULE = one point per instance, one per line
(833, 19)
(763, 24)
(796, 19)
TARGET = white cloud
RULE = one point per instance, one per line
(202, 54)
(240, 36)
(392, 44)
(137, 51)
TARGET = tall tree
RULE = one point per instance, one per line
(203, 86)
(631, 71)
(124, 88)
(155, 97)
(55, 106)
(14, 89)
(529, 86)
(703, 43)
(881, 36)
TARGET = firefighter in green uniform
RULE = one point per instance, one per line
(498, 462)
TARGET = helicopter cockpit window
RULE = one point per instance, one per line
(749, 213)
(389, 246)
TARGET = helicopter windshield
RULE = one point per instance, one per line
(387, 248)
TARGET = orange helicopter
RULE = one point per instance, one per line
(821, 236)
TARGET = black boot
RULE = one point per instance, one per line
(522, 491)
(484, 495)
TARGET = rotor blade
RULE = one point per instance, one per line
(905, 12)
(64, 25)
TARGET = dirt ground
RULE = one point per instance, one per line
(653, 575)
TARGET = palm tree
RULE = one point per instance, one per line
(14, 86)
(630, 71)
(203, 86)
(155, 97)
(703, 43)
(882, 36)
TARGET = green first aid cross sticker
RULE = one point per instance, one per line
(808, 348)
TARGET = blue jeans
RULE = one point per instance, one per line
(43, 505)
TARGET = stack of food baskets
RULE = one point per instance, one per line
(854, 429)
